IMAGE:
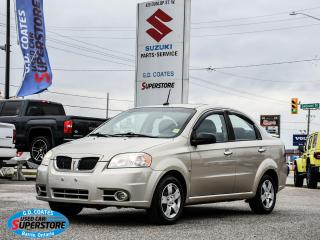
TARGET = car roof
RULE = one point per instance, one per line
(28, 100)
(191, 106)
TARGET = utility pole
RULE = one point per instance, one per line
(107, 113)
(308, 128)
(7, 47)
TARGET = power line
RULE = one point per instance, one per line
(240, 91)
(77, 53)
(261, 64)
(84, 55)
(89, 50)
(263, 80)
(91, 44)
(224, 91)
(93, 108)
(256, 31)
(192, 69)
(254, 17)
(77, 95)
(248, 24)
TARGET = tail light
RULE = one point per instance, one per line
(14, 136)
(67, 127)
(19, 154)
(317, 155)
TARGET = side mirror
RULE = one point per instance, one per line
(301, 149)
(202, 139)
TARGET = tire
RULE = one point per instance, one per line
(311, 178)
(266, 196)
(298, 178)
(38, 148)
(67, 209)
(167, 202)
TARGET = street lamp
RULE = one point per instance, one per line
(304, 14)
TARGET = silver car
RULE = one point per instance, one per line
(163, 158)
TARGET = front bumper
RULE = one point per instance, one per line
(90, 188)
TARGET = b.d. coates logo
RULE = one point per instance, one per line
(160, 30)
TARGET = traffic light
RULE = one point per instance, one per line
(294, 105)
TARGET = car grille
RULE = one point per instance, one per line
(70, 193)
(64, 162)
(87, 163)
(76, 164)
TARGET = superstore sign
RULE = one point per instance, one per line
(162, 52)
(37, 223)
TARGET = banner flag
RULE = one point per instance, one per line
(37, 75)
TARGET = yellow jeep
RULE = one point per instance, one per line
(308, 166)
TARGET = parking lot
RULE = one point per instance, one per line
(296, 216)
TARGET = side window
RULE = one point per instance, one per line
(11, 108)
(243, 130)
(315, 140)
(214, 124)
(53, 110)
(35, 109)
(310, 142)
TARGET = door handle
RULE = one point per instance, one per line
(228, 153)
(261, 150)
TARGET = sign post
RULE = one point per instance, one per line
(162, 61)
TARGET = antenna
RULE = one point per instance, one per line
(167, 102)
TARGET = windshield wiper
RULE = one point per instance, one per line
(99, 135)
(131, 134)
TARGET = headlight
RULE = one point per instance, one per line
(47, 158)
(131, 160)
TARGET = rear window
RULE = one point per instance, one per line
(44, 109)
(11, 108)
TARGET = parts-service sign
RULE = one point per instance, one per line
(163, 37)
(38, 223)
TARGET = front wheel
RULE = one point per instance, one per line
(298, 178)
(67, 209)
(311, 178)
(265, 199)
(168, 201)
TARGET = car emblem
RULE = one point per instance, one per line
(75, 163)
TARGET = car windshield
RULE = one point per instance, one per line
(147, 122)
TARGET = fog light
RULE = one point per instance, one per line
(121, 196)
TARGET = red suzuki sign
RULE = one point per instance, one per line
(160, 30)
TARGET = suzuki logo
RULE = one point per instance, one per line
(160, 30)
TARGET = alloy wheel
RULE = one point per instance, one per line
(39, 149)
(267, 194)
(170, 200)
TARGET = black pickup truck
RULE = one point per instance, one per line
(42, 125)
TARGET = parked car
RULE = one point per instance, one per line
(165, 157)
(7, 141)
(308, 166)
(42, 125)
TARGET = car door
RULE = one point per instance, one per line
(213, 166)
(248, 149)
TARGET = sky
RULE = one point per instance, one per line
(100, 35)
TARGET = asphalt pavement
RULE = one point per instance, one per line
(296, 216)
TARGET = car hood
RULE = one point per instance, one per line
(107, 147)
